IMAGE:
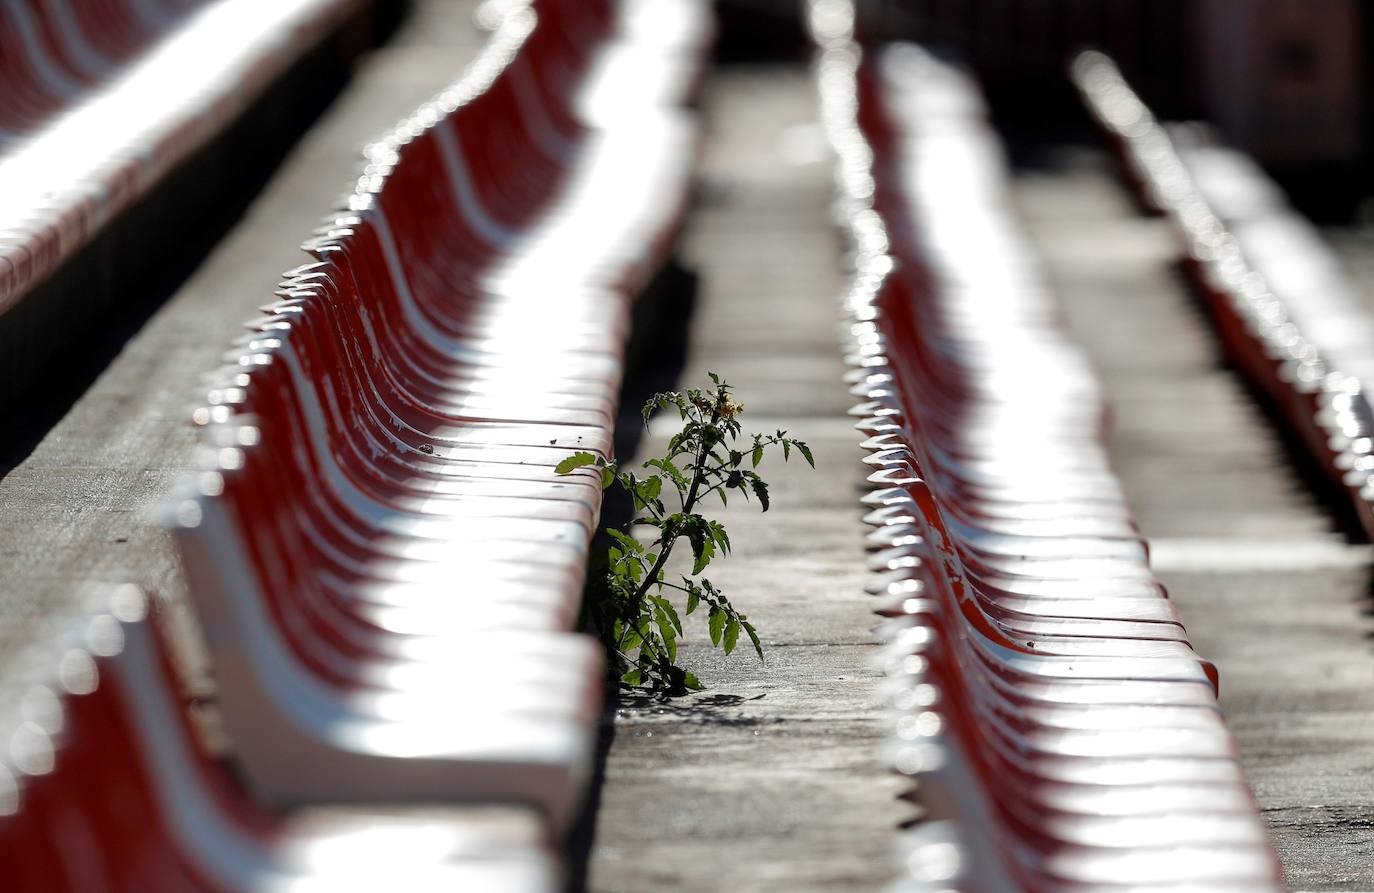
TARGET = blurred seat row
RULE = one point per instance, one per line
(101, 99)
(57, 51)
(1062, 732)
(383, 562)
(105, 784)
(1290, 317)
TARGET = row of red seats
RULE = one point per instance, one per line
(100, 99)
(383, 562)
(105, 785)
(1290, 317)
(1063, 733)
(52, 52)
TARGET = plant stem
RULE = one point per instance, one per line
(687, 504)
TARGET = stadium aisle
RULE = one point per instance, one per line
(769, 779)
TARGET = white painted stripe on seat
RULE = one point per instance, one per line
(554, 144)
(93, 63)
(460, 178)
(50, 74)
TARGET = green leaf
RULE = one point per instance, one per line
(693, 595)
(667, 608)
(806, 453)
(649, 489)
(754, 637)
(573, 462)
(731, 635)
(665, 628)
(607, 476)
(758, 454)
(760, 490)
(668, 468)
(715, 379)
(690, 680)
(632, 677)
(786, 450)
(716, 625)
(703, 548)
(630, 543)
(721, 537)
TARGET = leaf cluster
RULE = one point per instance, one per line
(631, 603)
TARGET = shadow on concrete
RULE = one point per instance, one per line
(655, 358)
(690, 707)
(1038, 129)
(1312, 479)
(62, 335)
(753, 31)
(583, 835)
(695, 708)
(704, 707)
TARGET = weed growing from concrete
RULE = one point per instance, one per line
(631, 603)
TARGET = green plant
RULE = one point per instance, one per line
(630, 600)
